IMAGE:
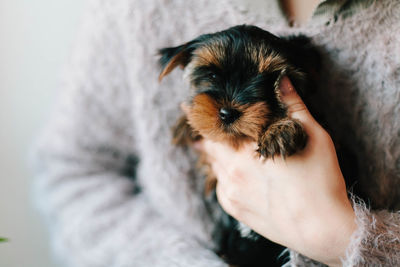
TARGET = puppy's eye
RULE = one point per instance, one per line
(212, 76)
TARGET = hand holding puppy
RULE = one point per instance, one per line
(300, 202)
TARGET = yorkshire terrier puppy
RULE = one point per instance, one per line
(235, 76)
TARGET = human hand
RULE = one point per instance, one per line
(300, 202)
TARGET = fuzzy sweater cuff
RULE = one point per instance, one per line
(376, 240)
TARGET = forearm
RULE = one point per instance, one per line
(108, 228)
(86, 190)
(326, 232)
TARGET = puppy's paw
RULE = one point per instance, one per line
(283, 138)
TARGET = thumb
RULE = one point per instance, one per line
(295, 105)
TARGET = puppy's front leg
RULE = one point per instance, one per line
(284, 137)
(183, 134)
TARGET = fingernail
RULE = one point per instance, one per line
(286, 86)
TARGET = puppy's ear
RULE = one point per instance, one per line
(307, 57)
(171, 57)
(302, 52)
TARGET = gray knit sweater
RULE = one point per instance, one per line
(117, 193)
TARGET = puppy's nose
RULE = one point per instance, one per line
(228, 115)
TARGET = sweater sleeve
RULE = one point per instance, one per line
(84, 166)
(376, 241)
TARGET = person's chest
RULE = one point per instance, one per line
(357, 92)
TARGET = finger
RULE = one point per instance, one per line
(249, 148)
(185, 108)
(222, 199)
(219, 151)
(199, 145)
(296, 107)
(216, 168)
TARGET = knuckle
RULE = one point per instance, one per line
(236, 213)
(208, 147)
(324, 136)
(297, 107)
(229, 201)
(232, 194)
(235, 174)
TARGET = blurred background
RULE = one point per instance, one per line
(35, 41)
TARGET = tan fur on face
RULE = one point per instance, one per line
(253, 119)
(208, 55)
(267, 60)
(271, 63)
(204, 118)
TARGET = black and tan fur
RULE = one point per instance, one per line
(235, 75)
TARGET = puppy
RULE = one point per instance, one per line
(235, 76)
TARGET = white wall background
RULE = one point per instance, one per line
(35, 41)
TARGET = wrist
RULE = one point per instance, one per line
(329, 238)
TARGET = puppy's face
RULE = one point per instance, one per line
(235, 76)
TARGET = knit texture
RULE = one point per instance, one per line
(114, 190)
